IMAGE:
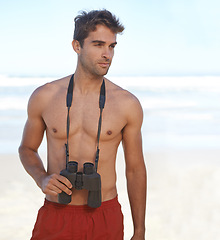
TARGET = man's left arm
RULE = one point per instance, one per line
(135, 168)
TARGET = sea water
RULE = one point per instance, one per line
(180, 113)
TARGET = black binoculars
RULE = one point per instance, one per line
(88, 179)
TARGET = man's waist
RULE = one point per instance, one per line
(80, 197)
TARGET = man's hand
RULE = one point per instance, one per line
(55, 184)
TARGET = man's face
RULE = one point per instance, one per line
(96, 55)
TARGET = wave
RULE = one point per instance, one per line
(160, 103)
(176, 115)
(6, 81)
(205, 83)
(13, 103)
(154, 93)
(208, 83)
(20, 103)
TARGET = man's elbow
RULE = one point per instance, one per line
(20, 149)
(24, 150)
(139, 170)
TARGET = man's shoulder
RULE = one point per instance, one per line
(122, 95)
(50, 88)
(45, 93)
(53, 86)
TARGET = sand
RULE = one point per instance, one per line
(183, 196)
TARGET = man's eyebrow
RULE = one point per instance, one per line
(98, 41)
(102, 42)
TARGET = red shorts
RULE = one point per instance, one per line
(70, 222)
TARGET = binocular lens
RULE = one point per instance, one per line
(88, 168)
(72, 166)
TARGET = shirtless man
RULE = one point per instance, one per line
(94, 43)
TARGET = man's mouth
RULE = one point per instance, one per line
(105, 64)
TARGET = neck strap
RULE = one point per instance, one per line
(69, 99)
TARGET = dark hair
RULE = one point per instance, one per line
(86, 23)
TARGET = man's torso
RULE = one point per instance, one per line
(84, 116)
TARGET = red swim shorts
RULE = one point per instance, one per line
(67, 222)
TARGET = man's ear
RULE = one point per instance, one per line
(76, 46)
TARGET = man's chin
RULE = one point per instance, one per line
(103, 72)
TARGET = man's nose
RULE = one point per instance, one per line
(107, 53)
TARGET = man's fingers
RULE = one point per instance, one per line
(55, 184)
(64, 180)
(58, 189)
(63, 188)
(52, 193)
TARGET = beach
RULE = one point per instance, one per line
(181, 143)
(183, 197)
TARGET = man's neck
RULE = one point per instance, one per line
(86, 83)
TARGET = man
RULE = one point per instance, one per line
(94, 42)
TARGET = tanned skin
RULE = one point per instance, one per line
(122, 120)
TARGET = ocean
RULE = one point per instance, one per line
(180, 113)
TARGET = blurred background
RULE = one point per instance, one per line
(168, 56)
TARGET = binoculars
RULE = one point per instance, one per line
(88, 179)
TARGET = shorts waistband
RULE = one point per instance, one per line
(106, 204)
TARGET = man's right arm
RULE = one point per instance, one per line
(31, 140)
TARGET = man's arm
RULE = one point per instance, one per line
(28, 150)
(135, 168)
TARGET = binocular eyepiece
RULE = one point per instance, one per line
(88, 179)
(88, 168)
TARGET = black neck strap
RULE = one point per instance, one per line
(69, 99)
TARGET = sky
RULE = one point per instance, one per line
(161, 37)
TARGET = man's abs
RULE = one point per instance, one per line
(106, 169)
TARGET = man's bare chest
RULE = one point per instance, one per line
(84, 117)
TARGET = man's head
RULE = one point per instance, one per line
(87, 22)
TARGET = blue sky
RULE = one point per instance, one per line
(161, 37)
